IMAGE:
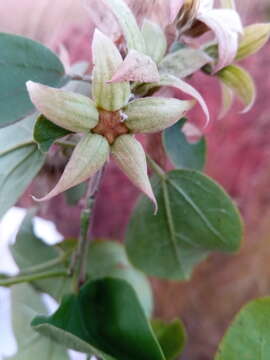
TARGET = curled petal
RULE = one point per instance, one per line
(172, 81)
(130, 157)
(87, 158)
(154, 114)
(155, 40)
(227, 26)
(136, 67)
(175, 7)
(71, 111)
(107, 59)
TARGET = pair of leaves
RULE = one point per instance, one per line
(27, 303)
(195, 217)
(22, 60)
(182, 153)
(20, 161)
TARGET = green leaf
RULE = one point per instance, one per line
(106, 320)
(20, 161)
(74, 194)
(182, 153)
(242, 84)
(22, 60)
(171, 336)
(195, 217)
(26, 241)
(249, 335)
(46, 133)
(109, 258)
(184, 62)
(27, 303)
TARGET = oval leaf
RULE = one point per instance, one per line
(249, 335)
(182, 153)
(23, 60)
(195, 217)
(105, 319)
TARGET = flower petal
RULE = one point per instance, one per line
(128, 24)
(155, 40)
(69, 110)
(130, 157)
(136, 67)
(175, 7)
(107, 60)
(172, 81)
(152, 114)
(227, 26)
(87, 158)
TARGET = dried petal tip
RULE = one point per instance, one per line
(130, 157)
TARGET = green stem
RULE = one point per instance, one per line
(65, 143)
(78, 266)
(44, 266)
(32, 277)
(155, 167)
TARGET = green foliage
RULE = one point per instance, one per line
(195, 217)
(182, 153)
(74, 194)
(105, 319)
(171, 336)
(248, 337)
(20, 161)
(40, 253)
(27, 303)
(21, 60)
(46, 133)
(109, 258)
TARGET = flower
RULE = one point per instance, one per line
(197, 16)
(109, 121)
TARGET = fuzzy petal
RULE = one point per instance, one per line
(130, 157)
(155, 40)
(152, 114)
(128, 24)
(172, 81)
(136, 67)
(87, 158)
(69, 110)
(226, 25)
(175, 7)
(107, 60)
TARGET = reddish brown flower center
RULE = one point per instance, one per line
(110, 125)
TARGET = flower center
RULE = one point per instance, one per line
(110, 125)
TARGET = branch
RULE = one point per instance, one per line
(32, 277)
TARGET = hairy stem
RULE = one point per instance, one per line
(32, 277)
(78, 266)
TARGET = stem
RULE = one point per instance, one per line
(32, 277)
(155, 167)
(65, 143)
(78, 266)
(45, 266)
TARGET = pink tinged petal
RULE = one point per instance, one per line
(154, 114)
(136, 67)
(130, 157)
(128, 24)
(69, 110)
(175, 7)
(88, 157)
(172, 81)
(155, 40)
(107, 60)
(227, 26)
